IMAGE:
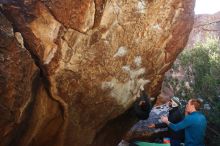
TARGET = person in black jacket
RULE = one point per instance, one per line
(142, 106)
(174, 116)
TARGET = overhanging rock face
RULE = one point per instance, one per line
(93, 56)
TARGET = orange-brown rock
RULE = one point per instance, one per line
(25, 106)
(93, 56)
(17, 77)
(205, 26)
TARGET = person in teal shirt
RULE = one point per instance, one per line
(194, 124)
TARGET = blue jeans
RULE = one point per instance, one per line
(175, 142)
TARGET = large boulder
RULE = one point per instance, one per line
(93, 57)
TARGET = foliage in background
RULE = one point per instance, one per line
(196, 73)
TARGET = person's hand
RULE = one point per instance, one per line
(151, 126)
(164, 119)
(141, 103)
(186, 112)
(142, 88)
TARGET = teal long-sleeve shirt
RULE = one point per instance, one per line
(195, 127)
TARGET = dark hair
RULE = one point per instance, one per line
(196, 102)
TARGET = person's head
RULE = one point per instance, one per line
(174, 102)
(193, 105)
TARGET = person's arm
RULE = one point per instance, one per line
(179, 126)
(161, 125)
